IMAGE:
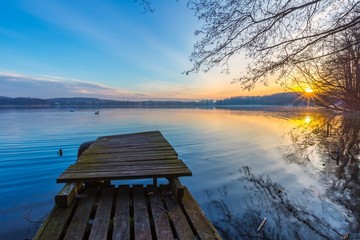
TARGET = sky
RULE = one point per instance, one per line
(108, 49)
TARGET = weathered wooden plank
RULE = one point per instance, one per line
(114, 176)
(130, 150)
(100, 226)
(141, 216)
(133, 153)
(67, 194)
(123, 168)
(127, 163)
(204, 229)
(73, 177)
(130, 169)
(146, 146)
(132, 144)
(177, 188)
(102, 158)
(54, 225)
(122, 214)
(124, 150)
(44, 224)
(77, 227)
(161, 221)
(147, 133)
(182, 227)
(132, 138)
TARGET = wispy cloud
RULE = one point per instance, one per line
(15, 85)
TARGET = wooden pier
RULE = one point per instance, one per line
(90, 207)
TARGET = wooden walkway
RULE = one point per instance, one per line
(128, 213)
(89, 207)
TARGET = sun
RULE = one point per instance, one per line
(309, 90)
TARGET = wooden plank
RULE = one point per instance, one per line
(147, 133)
(129, 150)
(204, 229)
(141, 216)
(123, 168)
(44, 224)
(133, 170)
(161, 221)
(100, 226)
(177, 188)
(133, 137)
(134, 153)
(77, 227)
(54, 225)
(73, 177)
(67, 194)
(127, 163)
(131, 146)
(123, 145)
(133, 143)
(122, 214)
(102, 158)
(182, 227)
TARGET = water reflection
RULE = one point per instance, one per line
(286, 218)
(325, 147)
(330, 143)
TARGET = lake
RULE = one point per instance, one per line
(297, 167)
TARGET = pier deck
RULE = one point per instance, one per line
(90, 207)
(127, 156)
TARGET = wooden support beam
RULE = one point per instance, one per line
(67, 194)
(177, 188)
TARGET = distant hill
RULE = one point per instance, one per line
(289, 98)
(275, 99)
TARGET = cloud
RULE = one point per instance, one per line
(44, 86)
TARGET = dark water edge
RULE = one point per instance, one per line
(286, 165)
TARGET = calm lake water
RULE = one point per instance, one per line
(299, 168)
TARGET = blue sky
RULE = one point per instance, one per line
(107, 49)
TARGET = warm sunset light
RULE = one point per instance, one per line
(307, 119)
(309, 90)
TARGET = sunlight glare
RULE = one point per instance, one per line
(309, 90)
(307, 119)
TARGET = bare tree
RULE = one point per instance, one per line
(278, 35)
(335, 78)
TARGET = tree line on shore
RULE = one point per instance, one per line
(275, 99)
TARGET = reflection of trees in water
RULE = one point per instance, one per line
(286, 219)
(335, 141)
